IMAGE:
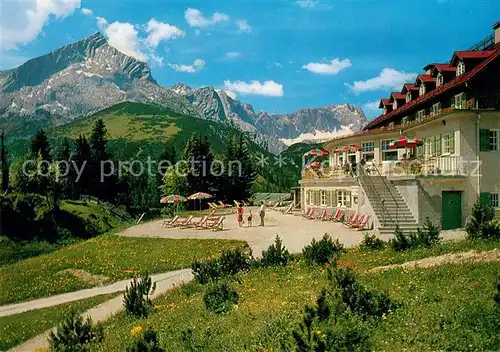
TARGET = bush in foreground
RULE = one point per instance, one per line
(75, 335)
(372, 243)
(320, 252)
(220, 297)
(147, 341)
(424, 238)
(136, 298)
(276, 254)
(230, 263)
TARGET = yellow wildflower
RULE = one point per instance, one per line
(136, 330)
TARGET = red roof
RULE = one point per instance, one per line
(445, 67)
(463, 55)
(425, 79)
(384, 102)
(397, 96)
(456, 82)
(407, 87)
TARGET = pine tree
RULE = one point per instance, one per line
(168, 157)
(66, 182)
(105, 189)
(40, 145)
(81, 160)
(246, 175)
(199, 158)
(4, 166)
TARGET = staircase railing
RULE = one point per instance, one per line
(362, 173)
(374, 167)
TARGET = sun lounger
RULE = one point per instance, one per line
(184, 222)
(170, 222)
(223, 205)
(212, 222)
(322, 215)
(353, 219)
(337, 216)
(213, 206)
(219, 225)
(288, 209)
(361, 224)
(236, 203)
(245, 203)
(197, 222)
(309, 213)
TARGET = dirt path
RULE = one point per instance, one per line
(451, 258)
(164, 283)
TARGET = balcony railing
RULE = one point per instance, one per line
(432, 166)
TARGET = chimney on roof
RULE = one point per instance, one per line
(496, 28)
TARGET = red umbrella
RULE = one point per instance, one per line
(405, 142)
(316, 152)
(173, 198)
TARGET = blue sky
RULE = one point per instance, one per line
(277, 55)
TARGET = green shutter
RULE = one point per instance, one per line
(452, 142)
(484, 140)
(485, 198)
(327, 200)
(438, 145)
(334, 198)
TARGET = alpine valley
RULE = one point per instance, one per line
(82, 78)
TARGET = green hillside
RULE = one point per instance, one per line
(137, 131)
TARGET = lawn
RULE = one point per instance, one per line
(16, 329)
(106, 258)
(448, 307)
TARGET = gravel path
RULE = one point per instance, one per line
(164, 283)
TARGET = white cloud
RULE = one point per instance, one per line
(23, 21)
(195, 18)
(87, 12)
(388, 78)
(159, 31)
(197, 65)
(232, 54)
(306, 4)
(331, 68)
(125, 37)
(101, 23)
(243, 26)
(371, 106)
(268, 88)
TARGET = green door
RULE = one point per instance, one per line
(451, 210)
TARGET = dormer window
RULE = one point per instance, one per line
(385, 110)
(460, 68)
(422, 89)
(395, 105)
(439, 79)
(408, 97)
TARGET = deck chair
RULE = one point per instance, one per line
(309, 213)
(337, 216)
(361, 224)
(210, 222)
(245, 203)
(236, 203)
(213, 206)
(353, 219)
(223, 205)
(219, 225)
(322, 215)
(288, 210)
(185, 221)
(197, 222)
(170, 222)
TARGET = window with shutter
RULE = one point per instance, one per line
(316, 198)
(452, 142)
(438, 145)
(485, 198)
(328, 199)
(484, 140)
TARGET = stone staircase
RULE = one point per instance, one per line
(388, 204)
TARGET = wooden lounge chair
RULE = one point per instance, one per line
(322, 215)
(337, 216)
(288, 210)
(223, 205)
(197, 222)
(245, 203)
(219, 225)
(236, 203)
(361, 224)
(211, 222)
(353, 219)
(170, 222)
(309, 213)
(213, 206)
(185, 221)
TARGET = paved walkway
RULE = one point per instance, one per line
(164, 283)
(295, 231)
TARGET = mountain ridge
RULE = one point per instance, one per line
(89, 75)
